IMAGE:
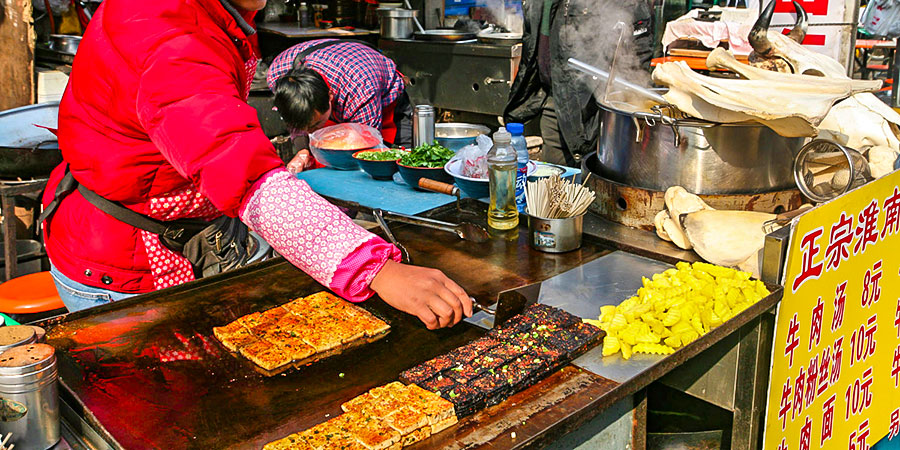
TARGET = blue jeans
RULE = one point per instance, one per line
(77, 296)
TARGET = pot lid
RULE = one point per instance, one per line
(26, 358)
(15, 335)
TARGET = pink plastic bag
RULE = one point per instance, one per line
(474, 158)
(346, 136)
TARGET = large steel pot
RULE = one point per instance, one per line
(396, 23)
(26, 150)
(652, 150)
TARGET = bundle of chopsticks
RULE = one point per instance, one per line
(3, 445)
(557, 198)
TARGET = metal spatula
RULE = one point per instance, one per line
(465, 230)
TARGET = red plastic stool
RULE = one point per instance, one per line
(29, 294)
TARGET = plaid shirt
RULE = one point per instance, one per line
(362, 80)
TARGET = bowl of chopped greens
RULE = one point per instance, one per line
(379, 164)
(425, 161)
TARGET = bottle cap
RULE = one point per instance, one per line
(515, 129)
(502, 136)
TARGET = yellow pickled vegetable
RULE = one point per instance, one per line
(675, 307)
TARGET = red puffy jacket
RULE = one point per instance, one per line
(155, 104)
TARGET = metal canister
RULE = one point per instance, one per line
(423, 125)
(16, 335)
(555, 235)
(30, 401)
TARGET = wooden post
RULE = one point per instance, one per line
(17, 57)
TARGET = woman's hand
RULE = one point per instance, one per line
(425, 293)
(299, 162)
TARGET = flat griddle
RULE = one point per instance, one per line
(150, 374)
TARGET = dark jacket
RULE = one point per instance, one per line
(572, 91)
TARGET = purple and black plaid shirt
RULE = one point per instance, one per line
(362, 80)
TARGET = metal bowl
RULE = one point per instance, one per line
(458, 135)
(64, 43)
(445, 35)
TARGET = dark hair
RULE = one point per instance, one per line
(298, 94)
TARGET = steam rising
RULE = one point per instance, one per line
(506, 17)
(593, 39)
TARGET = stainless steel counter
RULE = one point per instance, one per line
(463, 76)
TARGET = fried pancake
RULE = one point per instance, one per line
(367, 322)
(228, 330)
(418, 435)
(322, 341)
(444, 424)
(357, 403)
(266, 355)
(272, 315)
(251, 320)
(373, 432)
(394, 389)
(406, 420)
(292, 442)
(237, 340)
(431, 404)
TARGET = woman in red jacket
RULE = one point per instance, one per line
(155, 117)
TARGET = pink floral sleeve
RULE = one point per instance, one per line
(315, 235)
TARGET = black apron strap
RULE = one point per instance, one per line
(174, 234)
(299, 59)
(65, 187)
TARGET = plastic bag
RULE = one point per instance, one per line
(474, 157)
(882, 18)
(346, 136)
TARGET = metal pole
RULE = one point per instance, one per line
(895, 74)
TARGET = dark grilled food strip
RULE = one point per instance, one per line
(510, 358)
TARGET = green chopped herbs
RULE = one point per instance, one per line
(381, 155)
(341, 374)
(427, 155)
(453, 394)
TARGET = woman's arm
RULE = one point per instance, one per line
(317, 237)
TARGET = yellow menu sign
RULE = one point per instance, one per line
(835, 380)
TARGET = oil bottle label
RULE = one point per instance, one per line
(521, 177)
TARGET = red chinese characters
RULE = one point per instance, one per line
(891, 208)
(871, 290)
(859, 394)
(811, 269)
(897, 318)
(815, 326)
(840, 297)
(865, 389)
(862, 341)
(792, 339)
(866, 227)
(785, 406)
(805, 434)
(799, 384)
(812, 373)
(838, 353)
(823, 371)
(895, 367)
(839, 239)
(827, 419)
(895, 424)
(859, 439)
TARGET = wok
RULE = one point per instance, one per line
(27, 150)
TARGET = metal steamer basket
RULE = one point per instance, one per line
(657, 147)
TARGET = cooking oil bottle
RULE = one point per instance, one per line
(502, 164)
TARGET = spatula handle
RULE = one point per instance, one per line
(437, 186)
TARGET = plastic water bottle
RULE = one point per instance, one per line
(518, 143)
(501, 160)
